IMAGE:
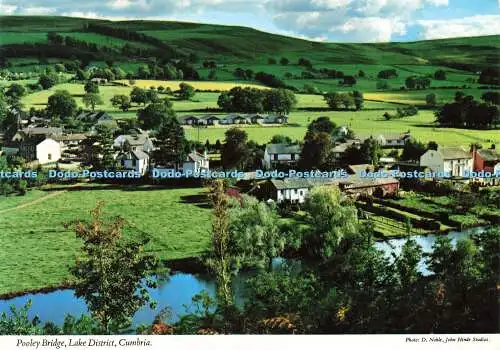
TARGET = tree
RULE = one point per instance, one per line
(387, 74)
(81, 75)
(61, 105)
(220, 259)
(170, 142)
(154, 115)
(412, 150)
(91, 99)
(91, 87)
(383, 85)
(281, 139)
(322, 124)
(255, 233)
(316, 151)
(271, 60)
(361, 74)
(358, 99)
(410, 82)
(432, 145)
(102, 156)
(490, 76)
(333, 99)
(491, 97)
(279, 101)
(440, 75)
(348, 100)
(15, 91)
(234, 150)
(348, 80)
(186, 91)
(332, 216)
(431, 99)
(46, 81)
(284, 61)
(110, 271)
(138, 95)
(121, 101)
(371, 151)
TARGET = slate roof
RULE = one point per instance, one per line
(70, 137)
(135, 140)
(454, 153)
(140, 154)
(282, 148)
(41, 131)
(195, 157)
(489, 155)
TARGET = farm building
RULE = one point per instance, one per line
(452, 160)
(280, 155)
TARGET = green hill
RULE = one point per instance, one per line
(23, 36)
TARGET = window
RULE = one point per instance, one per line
(49, 156)
(275, 157)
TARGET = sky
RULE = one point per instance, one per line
(321, 20)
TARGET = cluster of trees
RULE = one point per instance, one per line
(251, 100)
(490, 76)
(387, 74)
(402, 112)
(414, 82)
(346, 99)
(243, 74)
(467, 112)
(269, 80)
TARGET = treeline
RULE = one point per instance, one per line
(251, 100)
(467, 112)
(125, 34)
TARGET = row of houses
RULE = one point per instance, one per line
(234, 119)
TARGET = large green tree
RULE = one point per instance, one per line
(171, 143)
(235, 150)
(332, 216)
(91, 100)
(155, 114)
(61, 105)
(110, 271)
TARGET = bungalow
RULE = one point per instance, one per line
(276, 119)
(191, 120)
(136, 160)
(44, 150)
(394, 140)
(99, 80)
(134, 142)
(210, 120)
(234, 119)
(280, 154)
(453, 160)
(196, 162)
(256, 119)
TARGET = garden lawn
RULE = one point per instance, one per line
(37, 249)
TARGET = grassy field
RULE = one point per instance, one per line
(37, 249)
(364, 123)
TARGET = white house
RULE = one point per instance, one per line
(283, 154)
(134, 160)
(44, 150)
(196, 162)
(134, 142)
(293, 190)
(396, 140)
(452, 160)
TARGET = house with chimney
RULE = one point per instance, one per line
(455, 161)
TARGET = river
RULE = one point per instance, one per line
(177, 291)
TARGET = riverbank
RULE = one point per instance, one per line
(177, 291)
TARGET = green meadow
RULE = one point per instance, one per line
(175, 220)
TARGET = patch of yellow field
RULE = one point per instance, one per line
(391, 97)
(200, 85)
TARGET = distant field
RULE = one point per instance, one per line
(200, 85)
(36, 246)
(364, 124)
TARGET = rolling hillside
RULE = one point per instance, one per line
(23, 36)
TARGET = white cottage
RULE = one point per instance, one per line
(280, 154)
(134, 160)
(42, 150)
(196, 162)
(451, 160)
(293, 190)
